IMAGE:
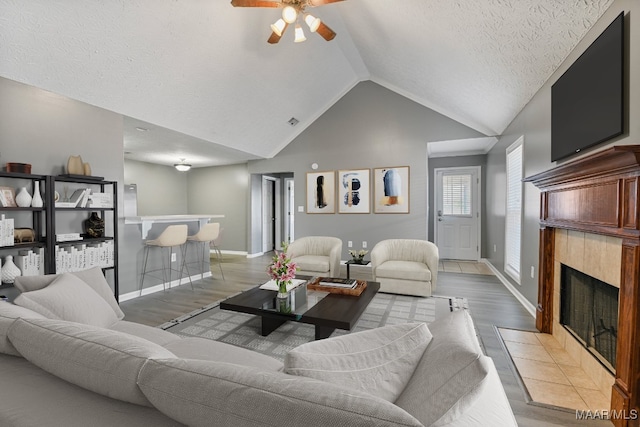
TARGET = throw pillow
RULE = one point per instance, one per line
(103, 361)
(92, 277)
(8, 314)
(69, 298)
(379, 361)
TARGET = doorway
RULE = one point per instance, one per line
(457, 219)
(289, 206)
(270, 213)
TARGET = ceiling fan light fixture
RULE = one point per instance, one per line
(312, 22)
(289, 14)
(278, 27)
(299, 34)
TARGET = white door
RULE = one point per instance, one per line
(457, 214)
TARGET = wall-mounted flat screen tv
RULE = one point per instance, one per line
(587, 100)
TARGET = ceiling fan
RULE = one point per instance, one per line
(292, 11)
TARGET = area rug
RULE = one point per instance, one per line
(243, 330)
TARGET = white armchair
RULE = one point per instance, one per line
(405, 266)
(316, 255)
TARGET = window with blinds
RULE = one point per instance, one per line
(513, 220)
(456, 194)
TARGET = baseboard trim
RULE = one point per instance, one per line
(159, 288)
(521, 299)
(256, 255)
(230, 252)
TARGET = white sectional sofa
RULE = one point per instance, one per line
(67, 358)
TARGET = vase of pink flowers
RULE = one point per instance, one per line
(282, 270)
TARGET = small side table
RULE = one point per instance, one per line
(352, 262)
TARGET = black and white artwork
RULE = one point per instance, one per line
(354, 191)
(321, 196)
(391, 189)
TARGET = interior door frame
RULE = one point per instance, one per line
(478, 189)
(289, 209)
(277, 200)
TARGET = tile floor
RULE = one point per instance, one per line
(469, 267)
(550, 374)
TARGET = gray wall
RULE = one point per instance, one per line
(455, 162)
(222, 190)
(162, 190)
(44, 129)
(534, 122)
(369, 127)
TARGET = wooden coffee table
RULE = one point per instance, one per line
(331, 312)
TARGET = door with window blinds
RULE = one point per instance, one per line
(513, 216)
(457, 213)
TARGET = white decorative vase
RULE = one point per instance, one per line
(36, 200)
(23, 199)
(9, 270)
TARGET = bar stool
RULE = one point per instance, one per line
(206, 236)
(172, 236)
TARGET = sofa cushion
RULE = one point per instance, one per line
(205, 393)
(408, 270)
(92, 277)
(451, 374)
(69, 298)
(103, 361)
(8, 314)
(149, 333)
(32, 397)
(378, 361)
(204, 349)
(317, 263)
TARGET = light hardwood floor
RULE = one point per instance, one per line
(490, 303)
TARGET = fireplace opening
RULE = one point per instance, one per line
(589, 311)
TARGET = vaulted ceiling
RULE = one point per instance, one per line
(200, 76)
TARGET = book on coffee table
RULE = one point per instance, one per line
(338, 283)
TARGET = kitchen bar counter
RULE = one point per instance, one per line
(147, 222)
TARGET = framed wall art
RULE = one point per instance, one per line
(321, 192)
(354, 191)
(7, 197)
(391, 190)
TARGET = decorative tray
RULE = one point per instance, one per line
(356, 291)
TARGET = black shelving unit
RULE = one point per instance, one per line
(37, 214)
(111, 211)
(44, 219)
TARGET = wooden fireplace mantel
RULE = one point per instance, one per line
(598, 194)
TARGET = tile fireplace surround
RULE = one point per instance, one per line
(590, 220)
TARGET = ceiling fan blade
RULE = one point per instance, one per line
(326, 32)
(275, 38)
(315, 3)
(255, 3)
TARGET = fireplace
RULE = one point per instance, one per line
(589, 311)
(590, 221)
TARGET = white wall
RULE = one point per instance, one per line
(162, 190)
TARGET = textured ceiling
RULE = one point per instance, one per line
(201, 75)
